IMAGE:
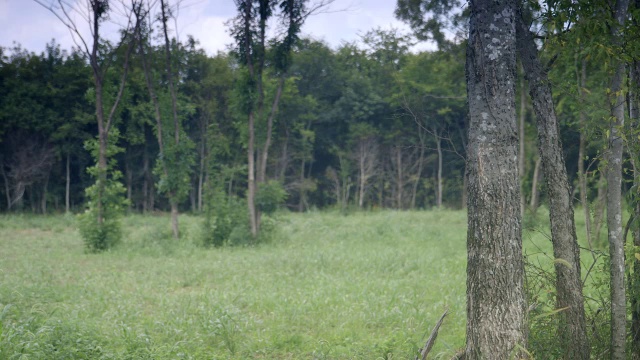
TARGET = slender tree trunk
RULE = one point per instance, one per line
(301, 201)
(67, 188)
(614, 196)
(439, 172)
(262, 175)
(146, 187)
(572, 328)
(634, 281)
(129, 175)
(521, 138)
(251, 195)
(496, 307)
(43, 200)
(416, 182)
(7, 188)
(535, 194)
(176, 122)
(601, 205)
(361, 182)
(582, 176)
(400, 177)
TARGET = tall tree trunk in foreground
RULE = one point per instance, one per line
(496, 316)
(614, 194)
(634, 281)
(572, 328)
(523, 116)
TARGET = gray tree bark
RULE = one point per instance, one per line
(634, 115)
(572, 328)
(614, 195)
(496, 316)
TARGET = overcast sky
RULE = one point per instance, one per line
(31, 25)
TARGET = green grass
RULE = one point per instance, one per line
(328, 286)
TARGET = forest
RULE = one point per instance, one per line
(282, 123)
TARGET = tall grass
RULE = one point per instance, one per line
(329, 286)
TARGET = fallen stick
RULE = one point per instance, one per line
(432, 338)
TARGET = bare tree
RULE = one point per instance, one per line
(29, 163)
(366, 156)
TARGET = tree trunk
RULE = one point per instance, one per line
(634, 115)
(362, 181)
(496, 308)
(67, 188)
(251, 193)
(439, 172)
(262, 175)
(572, 328)
(175, 228)
(521, 138)
(535, 194)
(176, 122)
(400, 177)
(601, 205)
(43, 200)
(582, 175)
(146, 186)
(416, 182)
(614, 196)
(7, 188)
(129, 174)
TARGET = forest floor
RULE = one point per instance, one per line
(367, 285)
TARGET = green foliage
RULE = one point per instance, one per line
(543, 318)
(106, 198)
(270, 196)
(226, 220)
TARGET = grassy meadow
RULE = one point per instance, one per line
(328, 286)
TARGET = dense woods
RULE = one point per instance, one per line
(546, 114)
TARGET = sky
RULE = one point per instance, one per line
(31, 25)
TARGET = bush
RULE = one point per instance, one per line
(270, 196)
(226, 220)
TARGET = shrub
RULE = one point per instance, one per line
(270, 196)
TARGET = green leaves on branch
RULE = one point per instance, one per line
(101, 233)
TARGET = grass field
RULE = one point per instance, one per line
(328, 286)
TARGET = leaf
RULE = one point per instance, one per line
(637, 256)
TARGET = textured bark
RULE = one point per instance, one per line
(614, 195)
(535, 195)
(523, 116)
(572, 329)
(496, 316)
(634, 115)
